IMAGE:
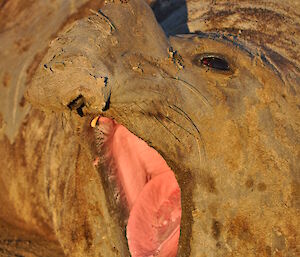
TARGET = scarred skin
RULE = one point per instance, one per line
(232, 138)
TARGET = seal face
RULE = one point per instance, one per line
(227, 126)
(198, 117)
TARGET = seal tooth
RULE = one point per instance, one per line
(94, 122)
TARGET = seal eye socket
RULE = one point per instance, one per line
(215, 62)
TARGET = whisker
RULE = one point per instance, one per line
(187, 117)
(184, 114)
(193, 89)
(179, 125)
(160, 123)
(167, 129)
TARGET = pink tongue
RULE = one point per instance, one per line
(151, 191)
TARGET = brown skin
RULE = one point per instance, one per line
(230, 137)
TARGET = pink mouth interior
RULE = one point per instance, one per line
(149, 189)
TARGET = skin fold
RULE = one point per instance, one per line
(231, 137)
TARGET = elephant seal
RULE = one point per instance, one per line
(223, 116)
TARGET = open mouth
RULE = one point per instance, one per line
(143, 186)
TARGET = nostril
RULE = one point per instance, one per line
(107, 104)
(80, 102)
(80, 111)
(77, 104)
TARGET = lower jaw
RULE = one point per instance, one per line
(144, 187)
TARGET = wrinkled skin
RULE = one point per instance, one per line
(232, 138)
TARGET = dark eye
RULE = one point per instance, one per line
(215, 62)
